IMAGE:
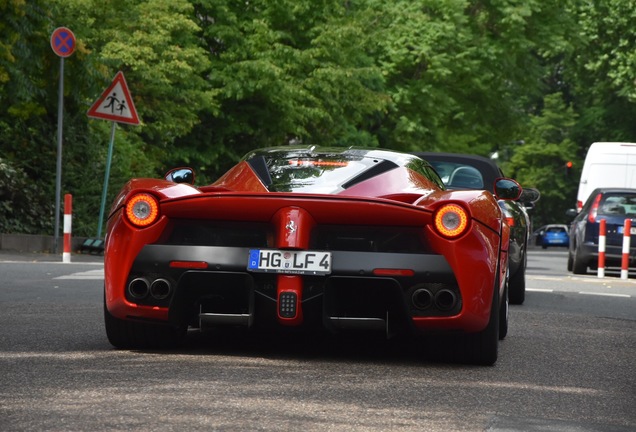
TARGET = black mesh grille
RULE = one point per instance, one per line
(217, 233)
(370, 239)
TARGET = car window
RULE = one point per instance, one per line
(459, 176)
(618, 204)
(556, 230)
(422, 167)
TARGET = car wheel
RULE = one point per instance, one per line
(504, 312)
(578, 265)
(124, 334)
(518, 284)
(482, 348)
(570, 261)
(544, 246)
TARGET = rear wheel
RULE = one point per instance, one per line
(518, 284)
(503, 312)
(482, 348)
(578, 265)
(125, 334)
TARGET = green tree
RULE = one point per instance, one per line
(602, 71)
(286, 71)
(541, 161)
(462, 73)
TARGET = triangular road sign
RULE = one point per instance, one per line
(115, 103)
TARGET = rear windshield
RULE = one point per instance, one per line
(317, 174)
(618, 204)
(556, 230)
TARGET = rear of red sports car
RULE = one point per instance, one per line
(362, 240)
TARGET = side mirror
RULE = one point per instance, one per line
(571, 213)
(507, 189)
(180, 175)
(529, 195)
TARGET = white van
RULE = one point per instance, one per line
(607, 164)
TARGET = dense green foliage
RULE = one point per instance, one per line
(534, 80)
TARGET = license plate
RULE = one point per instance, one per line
(621, 229)
(289, 262)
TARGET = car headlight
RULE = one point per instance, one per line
(142, 209)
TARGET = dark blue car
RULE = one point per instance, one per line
(615, 206)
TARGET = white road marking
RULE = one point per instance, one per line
(97, 274)
(543, 290)
(605, 294)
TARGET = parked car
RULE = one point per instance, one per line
(552, 235)
(463, 171)
(615, 205)
(301, 237)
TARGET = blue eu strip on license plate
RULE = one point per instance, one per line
(289, 261)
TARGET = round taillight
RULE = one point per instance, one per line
(451, 220)
(142, 209)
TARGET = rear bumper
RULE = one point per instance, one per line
(212, 286)
(613, 255)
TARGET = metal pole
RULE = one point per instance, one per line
(58, 175)
(106, 176)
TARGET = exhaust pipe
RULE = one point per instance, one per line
(422, 298)
(138, 288)
(160, 289)
(445, 299)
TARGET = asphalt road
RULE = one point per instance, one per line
(566, 365)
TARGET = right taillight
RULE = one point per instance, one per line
(591, 216)
(451, 220)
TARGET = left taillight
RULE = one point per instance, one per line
(142, 209)
(451, 220)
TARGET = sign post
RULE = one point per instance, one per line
(115, 104)
(63, 44)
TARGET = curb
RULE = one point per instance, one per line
(34, 243)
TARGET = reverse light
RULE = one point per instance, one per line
(451, 220)
(142, 210)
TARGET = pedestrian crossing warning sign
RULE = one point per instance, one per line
(115, 103)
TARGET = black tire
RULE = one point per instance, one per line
(124, 334)
(517, 285)
(578, 265)
(570, 262)
(482, 348)
(503, 313)
(544, 246)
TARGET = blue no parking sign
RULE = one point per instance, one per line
(63, 42)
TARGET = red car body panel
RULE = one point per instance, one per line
(399, 197)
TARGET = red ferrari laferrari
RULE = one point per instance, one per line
(299, 237)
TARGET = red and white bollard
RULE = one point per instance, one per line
(68, 211)
(627, 230)
(602, 230)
